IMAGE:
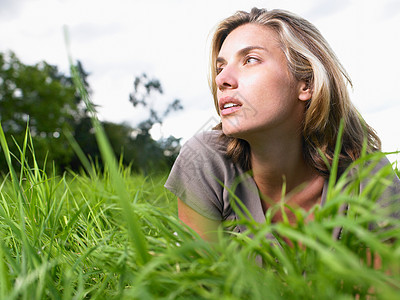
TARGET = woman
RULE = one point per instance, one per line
(281, 94)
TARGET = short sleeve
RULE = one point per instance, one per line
(389, 192)
(198, 175)
(383, 186)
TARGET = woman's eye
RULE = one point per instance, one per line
(219, 70)
(250, 60)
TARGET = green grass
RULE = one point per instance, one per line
(116, 235)
(67, 237)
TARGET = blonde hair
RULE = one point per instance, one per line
(309, 59)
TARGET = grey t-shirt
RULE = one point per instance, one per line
(209, 182)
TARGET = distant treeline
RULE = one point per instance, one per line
(41, 100)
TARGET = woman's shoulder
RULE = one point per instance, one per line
(379, 182)
(207, 143)
(200, 173)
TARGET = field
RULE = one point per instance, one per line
(115, 235)
(111, 234)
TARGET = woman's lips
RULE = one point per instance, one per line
(229, 105)
(229, 110)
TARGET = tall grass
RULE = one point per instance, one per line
(115, 235)
(67, 237)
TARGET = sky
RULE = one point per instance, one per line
(169, 40)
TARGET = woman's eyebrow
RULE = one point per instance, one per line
(246, 50)
(242, 52)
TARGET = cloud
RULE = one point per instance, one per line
(326, 8)
(88, 31)
(9, 9)
(391, 9)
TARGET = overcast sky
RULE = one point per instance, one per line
(118, 40)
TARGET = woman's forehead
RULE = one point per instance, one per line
(250, 35)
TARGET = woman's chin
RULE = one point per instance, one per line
(232, 131)
(228, 131)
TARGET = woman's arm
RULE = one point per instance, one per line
(205, 227)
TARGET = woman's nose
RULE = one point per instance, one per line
(226, 79)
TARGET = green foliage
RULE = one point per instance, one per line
(133, 145)
(43, 97)
(71, 237)
(160, 154)
(44, 100)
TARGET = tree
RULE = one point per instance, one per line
(44, 98)
(153, 154)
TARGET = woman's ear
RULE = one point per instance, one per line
(305, 91)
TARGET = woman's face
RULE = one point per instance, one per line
(256, 92)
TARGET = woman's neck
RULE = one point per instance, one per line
(273, 159)
(279, 163)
